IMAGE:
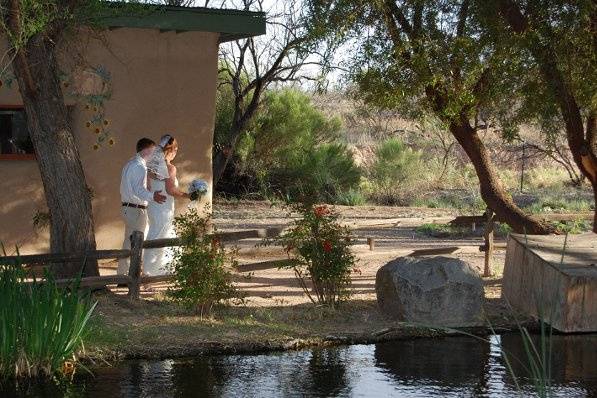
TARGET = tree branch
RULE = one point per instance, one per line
(462, 16)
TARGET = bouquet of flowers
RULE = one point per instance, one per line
(198, 188)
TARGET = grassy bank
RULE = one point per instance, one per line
(160, 329)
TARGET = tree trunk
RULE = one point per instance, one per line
(67, 196)
(239, 122)
(222, 157)
(492, 191)
(579, 142)
(582, 144)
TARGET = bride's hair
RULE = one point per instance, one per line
(168, 144)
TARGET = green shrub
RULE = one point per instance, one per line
(318, 175)
(351, 197)
(199, 265)
(321, 248)
(549, 203)
(395, 168)
(288, 134)
(41, 326)
(574, 227)
(503, 229)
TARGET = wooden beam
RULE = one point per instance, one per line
(470, 220)
(222, 236)
(467, 220)
(156, 279)
(496, 246)
(64, 257)
(438, 250)
(92, 281)
(271, 264)
(565, 216)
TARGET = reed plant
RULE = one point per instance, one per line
(41, 325)
(536, 362)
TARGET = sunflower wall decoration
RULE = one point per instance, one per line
(92, 87)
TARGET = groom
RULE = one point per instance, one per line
(135, 196)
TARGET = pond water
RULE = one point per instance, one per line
(449, 367)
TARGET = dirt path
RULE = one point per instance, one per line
(392, 228)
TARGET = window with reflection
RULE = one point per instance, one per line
(14, 133)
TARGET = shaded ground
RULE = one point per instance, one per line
(274, 313)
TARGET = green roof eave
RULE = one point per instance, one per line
(231, 24)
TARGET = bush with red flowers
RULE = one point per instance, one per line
(320, 247)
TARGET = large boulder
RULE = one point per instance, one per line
(434, 291)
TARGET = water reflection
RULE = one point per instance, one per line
(574, 361)
(450, 367)
(449, 361)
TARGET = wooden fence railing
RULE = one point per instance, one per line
(133, 280)
(489, 219)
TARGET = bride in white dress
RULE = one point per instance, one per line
(162, 177)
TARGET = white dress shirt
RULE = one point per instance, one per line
(133, 184)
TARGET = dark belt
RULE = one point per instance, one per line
(126, 204)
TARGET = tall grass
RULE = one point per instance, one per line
(537, 360)
(41, 325)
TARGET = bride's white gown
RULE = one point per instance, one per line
(160, 217)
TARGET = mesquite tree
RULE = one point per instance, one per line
(33, 30)
(429, 56)
(553, 43)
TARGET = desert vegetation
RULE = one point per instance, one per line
(341, 151)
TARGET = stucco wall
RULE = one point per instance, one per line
(161, 82)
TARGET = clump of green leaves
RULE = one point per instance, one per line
(320, 248)
(201, 277)
(573, 227)
(396, 166)
(42, 326)
(322, 174)
(352, 197)
(290, 150)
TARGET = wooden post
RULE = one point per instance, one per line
(371, 243)
(488, 235)
(135, 264)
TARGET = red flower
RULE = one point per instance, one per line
(321, 211)
(327, 246)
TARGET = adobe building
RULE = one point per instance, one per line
(141, 76)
